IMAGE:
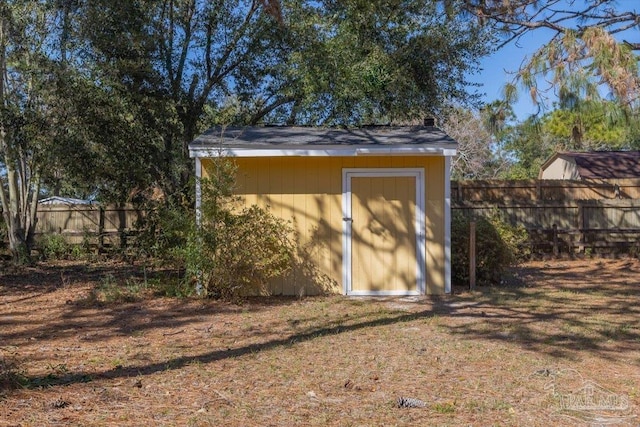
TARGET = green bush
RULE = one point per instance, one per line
(164, 231)
(53, 246)
(237, 253)
(234, 251)
(498, 246)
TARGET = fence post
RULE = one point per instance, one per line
(556, 249)
(581, 227)
(100, 229)
(472, 254)
(122, 226)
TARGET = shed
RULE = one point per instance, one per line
(594, 165)
(370, 206)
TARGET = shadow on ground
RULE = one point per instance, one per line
(552, 309)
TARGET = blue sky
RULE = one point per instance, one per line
(498, 69)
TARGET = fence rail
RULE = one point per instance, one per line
(559, 215)
(544, 190)
(574, 226)
(97, 225)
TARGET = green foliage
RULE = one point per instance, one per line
(27, 115)
(357, 62)
(164, 231)
(589, 125)
(235, 251)
(498, 246)
(53, 246)
(111, 290)
(11, 376)
(170, 286)
(445, 408)
(528, 146)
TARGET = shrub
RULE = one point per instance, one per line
(498, 246)
(11, 376)
(163, 231)
(238, 253)
(234, 251)
(53, 246)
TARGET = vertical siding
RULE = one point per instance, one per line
(362, 277)
(384, 235)
(333, 169)
(308, 192)
(274, 202)
(434, 205)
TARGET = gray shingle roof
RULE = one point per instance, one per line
(312, 138)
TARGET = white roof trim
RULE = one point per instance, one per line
(200, 152)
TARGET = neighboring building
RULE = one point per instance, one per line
(592, 165)
(371, 205)
(57, 200)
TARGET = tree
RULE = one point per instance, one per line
(478, 157)
(180, 66)
(591, 125)
(57, 126)
(533, 141)
(528, 147)
(582, 54)
(356, 62)
(171, 62)
(26, 115)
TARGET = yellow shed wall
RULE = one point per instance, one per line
(308, 192)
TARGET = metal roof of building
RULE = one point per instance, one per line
(58, 200)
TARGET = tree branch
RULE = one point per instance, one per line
(259, 115)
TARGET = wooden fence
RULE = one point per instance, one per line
(543, 190)
(96, 225)
(560, 216)
(571, 226)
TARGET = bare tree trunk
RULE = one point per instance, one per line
(19, 206)
(19, 185)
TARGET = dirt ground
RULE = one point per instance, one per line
(557, 344)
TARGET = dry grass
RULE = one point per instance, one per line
(504, 356)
